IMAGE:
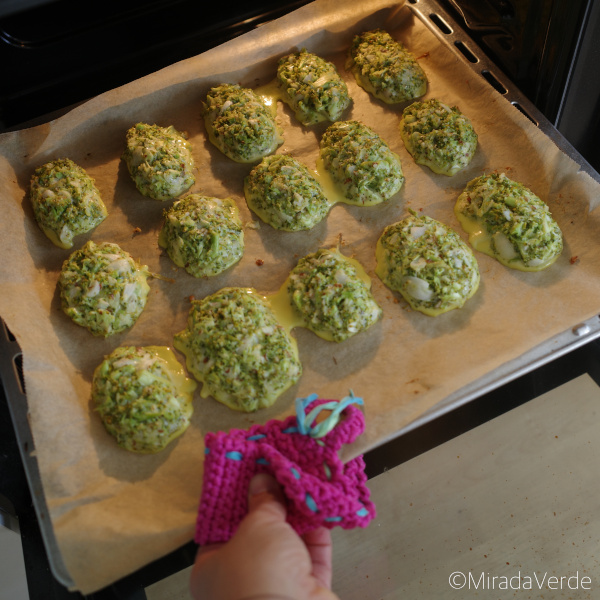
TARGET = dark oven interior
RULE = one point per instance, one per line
(56, 53)
(549, 49)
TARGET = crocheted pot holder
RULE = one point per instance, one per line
(302, 456)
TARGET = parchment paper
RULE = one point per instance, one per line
(114, 511)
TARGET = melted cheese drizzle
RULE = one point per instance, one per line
(289, 317)
(481, 240)
(183, 384)
(332, 190)
(53, 237)
(270, 93)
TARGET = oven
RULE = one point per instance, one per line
(541, 55)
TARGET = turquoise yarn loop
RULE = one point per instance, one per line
(305, 421)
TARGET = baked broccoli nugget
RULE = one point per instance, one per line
(385, 68)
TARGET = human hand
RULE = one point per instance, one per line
(265, 559)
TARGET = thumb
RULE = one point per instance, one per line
(264, 493)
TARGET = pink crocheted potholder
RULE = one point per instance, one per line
(320, 490)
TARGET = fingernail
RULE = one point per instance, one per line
(262, 483)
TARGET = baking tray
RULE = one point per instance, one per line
(449, 33)
(10, 373)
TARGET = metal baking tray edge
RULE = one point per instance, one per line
(451, 34)
(551, 349)
(16, 397)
